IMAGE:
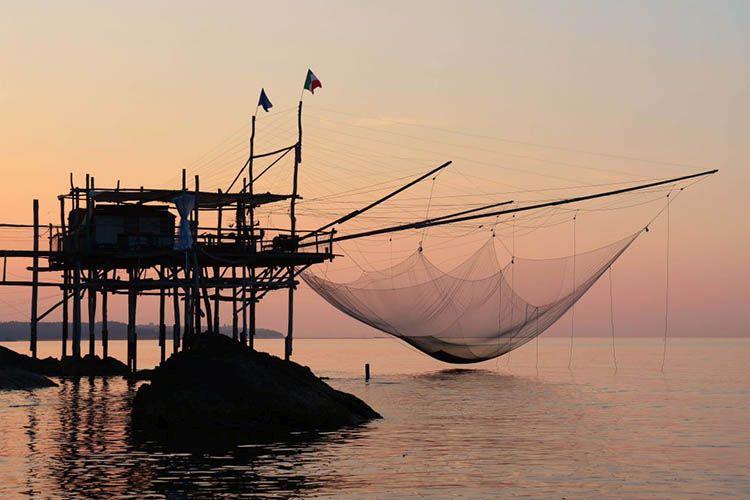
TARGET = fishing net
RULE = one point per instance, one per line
(477, 311)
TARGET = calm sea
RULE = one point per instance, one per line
(523, 425)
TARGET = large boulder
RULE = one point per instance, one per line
(220, 387)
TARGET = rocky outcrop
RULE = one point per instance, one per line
(67, 367)
(219, 386)
(17, 379)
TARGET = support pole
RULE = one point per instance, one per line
(66, 280)
(162, 322)
(76, 244)
(188, 306)
(35, 281)
(293, 220)
(196, 268)
(253, 250)
(217, 325)
(176, 314)
(251, 319)
(105, 325)
(132, 304)
(65, 320)
(77, 310)
(243, 340)
(217, 290)
(207, 303)
(251, 336)
(92, 312)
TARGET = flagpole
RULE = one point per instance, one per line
(250, 190)
(293, 232)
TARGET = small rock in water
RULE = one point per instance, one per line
(17, 379)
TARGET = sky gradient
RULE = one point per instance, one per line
(136, 91)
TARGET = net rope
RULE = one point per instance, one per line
(478, 310)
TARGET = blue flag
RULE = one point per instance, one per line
(264, 101)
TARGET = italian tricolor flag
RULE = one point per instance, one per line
(312, 82)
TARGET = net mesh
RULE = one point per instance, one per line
(479, 310)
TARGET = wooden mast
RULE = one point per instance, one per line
(253, 248)
(293, 233)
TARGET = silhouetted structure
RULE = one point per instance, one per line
(142, 242)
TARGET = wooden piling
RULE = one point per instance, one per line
(76, 348)
(105, 326)
(196, 267)
(162, 322)
(35, 281)
(132, 301)
(217, 323)
(91, 292)
(250, 336)
(66, 281)
(65, 319)
(176, 314)
(243, 340)
(367, 372)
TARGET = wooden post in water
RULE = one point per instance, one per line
(76, 349)
(162, 321)
(251, 336)
(217, 325)
(132, 302)
(207, 303)
(35, 281)
(91, 291)
(66, 280)
(217, 293)
(367, 372)
(76, 244)
(105, 325)
(234, 309)
(176, 314)
(196, 267)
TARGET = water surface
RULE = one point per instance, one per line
(518, 426)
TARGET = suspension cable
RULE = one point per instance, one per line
(612, 317)
(427, 216)
(575, 289)
(666, 293)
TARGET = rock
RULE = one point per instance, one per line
(16, 379)
(67, 367)
(88, 366)
(219, 386)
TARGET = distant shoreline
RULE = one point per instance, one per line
(281, 337)
(17, 331)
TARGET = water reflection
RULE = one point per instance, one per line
(476, 433)
(90, 449)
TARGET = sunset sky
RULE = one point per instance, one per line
(521, 95)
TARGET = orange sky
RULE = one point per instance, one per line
(137, 91)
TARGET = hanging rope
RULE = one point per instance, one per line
(536, 339)
(427, 215)
(575, 288)
(666, 294)
(512, 274)
(612, 318)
